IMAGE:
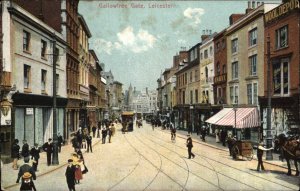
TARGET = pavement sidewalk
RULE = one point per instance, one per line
(9, 175)
(211, 142)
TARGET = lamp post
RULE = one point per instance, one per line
(55, 139)
(234, 109)
(269, 155)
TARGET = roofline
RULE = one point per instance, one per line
(85, 26)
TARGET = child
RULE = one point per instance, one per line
(27, 183)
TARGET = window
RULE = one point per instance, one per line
(218, 69)
(252, 93)
(205, 54)
(282, 37)
(206, 74)
(223, 43)
(201, 56)
(57, 56)
(210, 51)
(191, 97)
(281, 77)
(252, 65)
(43, 49)
(191, 76)
(217, 46)
(234, 94)
(43, 80)
(57, 83)
(196, 75)
(185, 78)
(27, 76)
(253, 37)
(26, 41)
(224, 69)
(196, 96)
(235, 70)
(183, 97)
(234, 45)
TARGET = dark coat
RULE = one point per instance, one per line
(189, 142)
(60, 140)
(48, 147)
(89, 139)
(25, 150)
(104, 132)
(15, 149)
(26, 168)
(35, 153)
(70, 175)
(27, 186)
(94, 129)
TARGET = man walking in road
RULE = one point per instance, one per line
(260, 153)
(48, 147)
(35, 155)
(89, 143)
(70, 175)
(25, 168)
(189, 144)
(104, 134)
(94, 131)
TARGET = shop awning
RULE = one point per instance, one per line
(245, 118)
(215, 118)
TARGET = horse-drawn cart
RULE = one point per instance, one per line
(242, 148)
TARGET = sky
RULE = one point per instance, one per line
(137, 40)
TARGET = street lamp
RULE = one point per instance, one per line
(234, 109)
(269, 155)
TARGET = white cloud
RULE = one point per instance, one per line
(194, 14)
(181, 41)
(127, 40)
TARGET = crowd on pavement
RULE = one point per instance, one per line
(76, 168)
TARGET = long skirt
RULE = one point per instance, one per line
(78, 173)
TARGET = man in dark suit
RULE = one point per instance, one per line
(70, 175)
(89, 143)
(189, 144)
(48, 148)
(35, 154)
(25, 149)
(94, 131)
(25, 168)
(60, 141)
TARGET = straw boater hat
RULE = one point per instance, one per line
(26, 175)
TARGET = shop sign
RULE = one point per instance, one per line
(29, 111)
(282, 9)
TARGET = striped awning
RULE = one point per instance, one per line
(245, 118)
(215, 118)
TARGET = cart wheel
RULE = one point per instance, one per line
(251, 156)
(235, 152)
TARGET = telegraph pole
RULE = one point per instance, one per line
(269, 155)
(55, 140)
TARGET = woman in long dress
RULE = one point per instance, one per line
(77, 163)
(217, 136)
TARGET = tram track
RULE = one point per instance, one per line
(219, 162)
(158, 169)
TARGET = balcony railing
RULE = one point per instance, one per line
(220, 79)
(207, 80)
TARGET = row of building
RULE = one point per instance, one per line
(47, 67)
(221, 82)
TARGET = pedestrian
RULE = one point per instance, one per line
(104, 134)
(15, 154)
(109, 132)
(79, 136)
(35, 156)
(48, 148)
(75, 143)
(94, 131)
(26, 168)
(60, 141)
(98, 131)
(27, 183)
(173, 131)
(78, 173)
(203, 134)
(189, 144)
(230, 142)
(70, 175)
(217, 136)
(25, 149)
(223, 137)
(260, 153)
(89, 143)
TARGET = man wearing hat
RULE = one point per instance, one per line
(48, 148)
(27, 183)
(35, 156)
(25, 149)
(189, 144)
(70, 175)
(260, 153)
(26, 168)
